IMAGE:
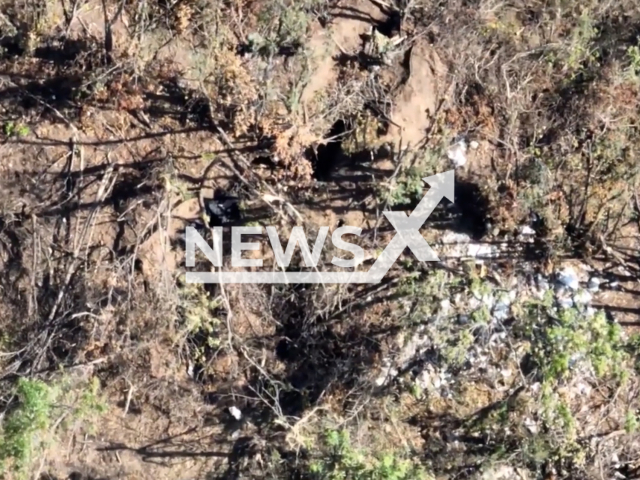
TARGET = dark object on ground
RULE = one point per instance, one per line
(223, 209)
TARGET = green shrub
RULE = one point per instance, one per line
(23, 428)
(27, 427)
(341, 461)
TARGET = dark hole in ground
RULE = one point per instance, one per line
(331, 162)
(329, 155)
(11, 47)
(315, 352)
(64, 52)
(579, 234)
(391, 26)
(473, 208)
(468, 214)
(223, 209)
(264, 161)
(58, 92)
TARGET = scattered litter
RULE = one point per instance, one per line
(235, 412)
(531, 425)
(474, 145)
(583, 297)
(527, 230)
(502, 309)
(501, 312)
(388, 373)
(460, 245)
(568, 278)
(542, 284)
(564, 299)
(457, 153)
(431, 380)
(454, 238)
(594, 284)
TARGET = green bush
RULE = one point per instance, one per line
(341, 461)
(40, 407)
(23, 428)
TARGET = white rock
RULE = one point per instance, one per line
(569, 278)
(501, 314)
(531, 425)
(474, 145)
(565, 301)
(594, 284)
(445, 306)
(235, 412)
(453, 237)
(457, 153)
(480, 250)
(527, 230)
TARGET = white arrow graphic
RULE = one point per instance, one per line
(408, 227)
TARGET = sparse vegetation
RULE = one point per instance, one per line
(27, 428)
(343, 461)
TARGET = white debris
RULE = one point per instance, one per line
(564, 299)
(473, 145)
(542, 286)
(583, 388)
(445, 306)
(430, 380)
(388, 372)
(457, 153)
(235, 412)
(501, 312)
(594, 284)
(460, 245)
(583, 297)
(456, 238)
(527, 230)
(480, 250)
(531, 425)
(568, 278)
